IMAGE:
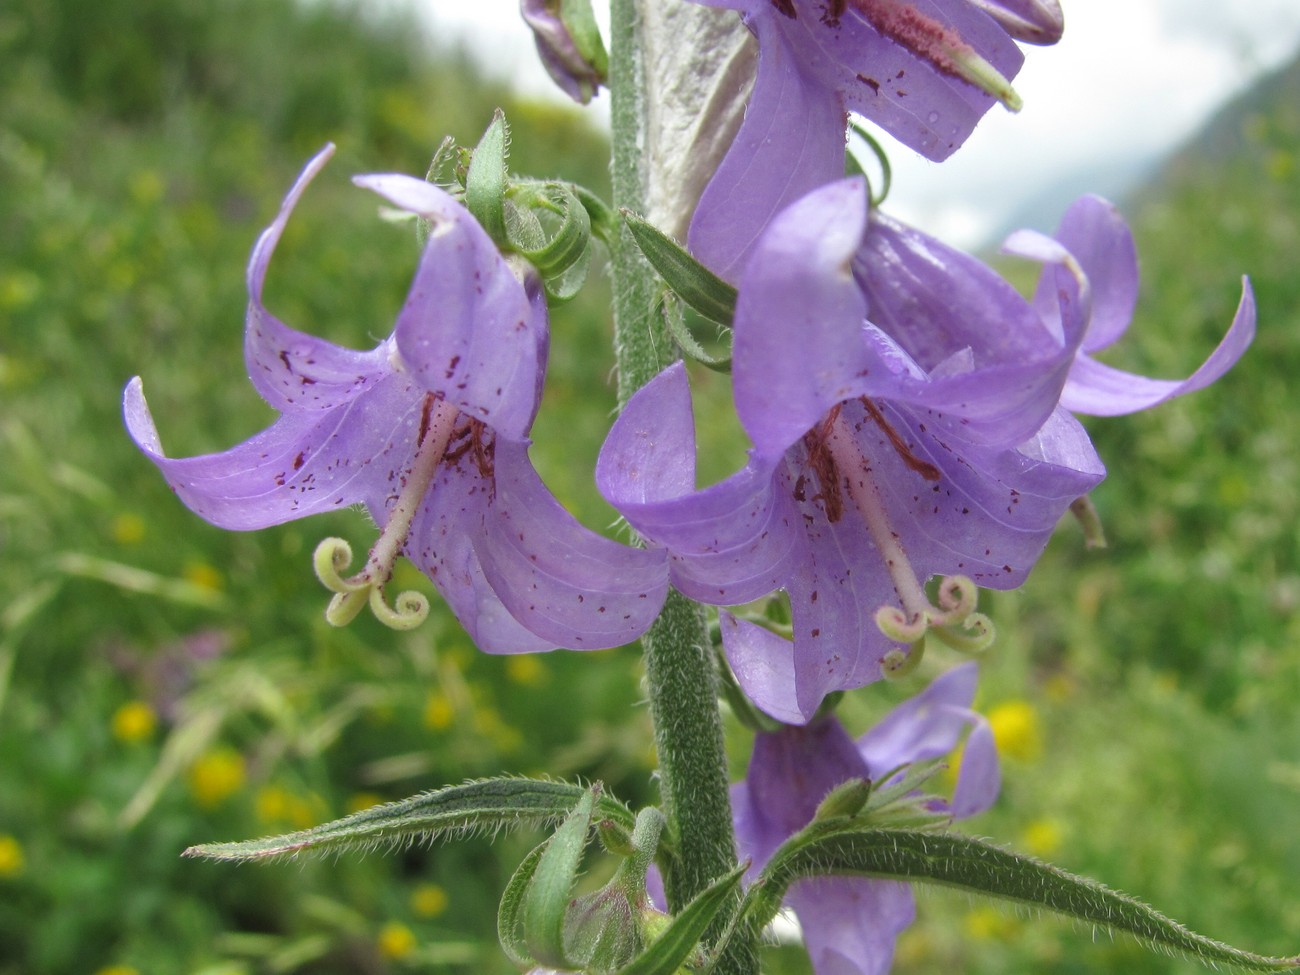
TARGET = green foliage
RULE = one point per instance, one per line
(163, 682)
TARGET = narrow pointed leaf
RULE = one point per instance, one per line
(485, 183)
(699, 287)
(668, 952)
(980, 868)
(547, 899)
(670, 311)
(489, 804)
(510, 919)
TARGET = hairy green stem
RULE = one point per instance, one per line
(679, 667)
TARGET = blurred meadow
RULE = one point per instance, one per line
(163, 682)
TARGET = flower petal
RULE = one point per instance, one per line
(798, 347)
(1102, 390)
(1096, 236)
(764, 667)
(559, 579)
(469, 329)
(923, 727)
(850, 924)
(441, 543)
(791, 141)
(291, 369)
(304, 463)
(979, 778)
(729, 542)
(990, 513)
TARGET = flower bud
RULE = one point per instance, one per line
(569, 44)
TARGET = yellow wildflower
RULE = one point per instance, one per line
(216, 776)
(1016, 730)
(1042, 838)
(127, 529)
(429, 900)
(134, 722)
(12, 861)
(204, 576)
(396, 940)
(439, 712)
(526, 669)
(275, 804)
(363, 800)
(989, 924)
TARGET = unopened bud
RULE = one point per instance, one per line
(569, 44)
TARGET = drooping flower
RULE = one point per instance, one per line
(850, 924)
(902, 400)
(924, 71)
(429, 432)
(569, 44)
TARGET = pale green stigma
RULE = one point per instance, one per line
(334, 555)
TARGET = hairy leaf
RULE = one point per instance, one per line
(489, 804)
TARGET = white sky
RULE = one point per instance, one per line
(1130, 80)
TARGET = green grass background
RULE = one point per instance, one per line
(1163, 754)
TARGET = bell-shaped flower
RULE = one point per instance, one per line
(926, 72)
(429, 432)
(903, 402)
(850, 924)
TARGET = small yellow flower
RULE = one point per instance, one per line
(439, 712)
(204, 576)
(988, 924)
(429, 900)
(363, 800)
(134, 722)
(12, 861)
(489, 723)
(526, 669)
(1016, 730)
(396, 941)
(216, 776)
(127, 529)
(119, 970)
(273, 804)
(1043, 838)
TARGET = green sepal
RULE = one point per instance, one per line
(443, 156)
(580, 21)
(694, 283)
(547, 224)
(604, 221)
(679, 940)
(546, 902)
(669, 310)
(846, 799)
(485, 180)
(459, 810)
(510, 921)
(853, 167)
(980, 868)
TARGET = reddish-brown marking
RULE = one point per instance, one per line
(922, 467)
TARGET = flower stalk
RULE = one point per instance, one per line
(679, 667)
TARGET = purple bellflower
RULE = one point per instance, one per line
(926, 72)
(850, 923)
(903, 405)
(429, 432)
